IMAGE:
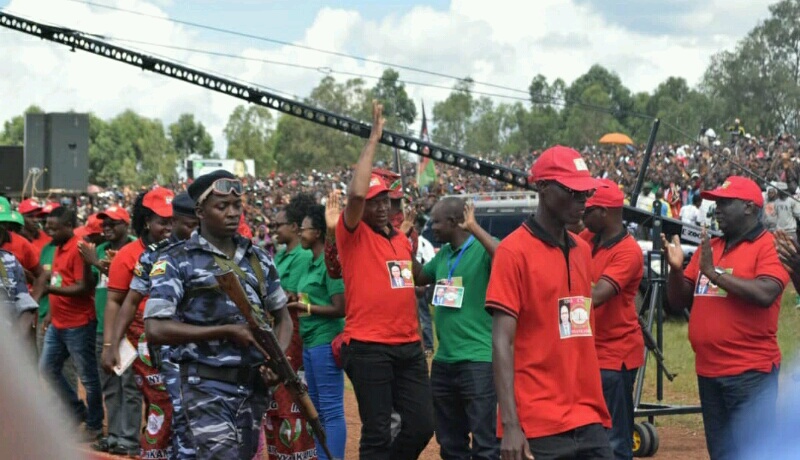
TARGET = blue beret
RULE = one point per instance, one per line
(183, 204)
(202, 183)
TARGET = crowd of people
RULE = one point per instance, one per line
(120, 292)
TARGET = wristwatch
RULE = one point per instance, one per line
(719, 273)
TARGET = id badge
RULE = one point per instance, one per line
(573, 317)
(448, 294)
(303, 299)
(705, 288)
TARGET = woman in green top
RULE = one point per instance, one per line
(321, 311)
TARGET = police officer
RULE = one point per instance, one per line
(14, 296)
(224, 398)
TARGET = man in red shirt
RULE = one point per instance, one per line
(73, 325)
(32, 230)
(546, 374)
(617, 269)
(734, 318)
(382, 355)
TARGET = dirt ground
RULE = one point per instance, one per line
(676, 443)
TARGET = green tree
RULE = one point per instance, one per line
(130, 149)
(583, 127)
(14, 129)
(189, 137)
(248, 132)
(452, 117)
(298, 144)
(399, 109)
(759, 82)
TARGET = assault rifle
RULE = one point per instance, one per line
(267, 345)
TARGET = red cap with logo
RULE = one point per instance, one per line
(29, 206)
(48, 208)
(115, 213)
(738, 188)
(376, 186)
(608, 195)
(159, 200)
(565, 166)
(392, 180)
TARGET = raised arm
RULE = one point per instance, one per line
(359, 185)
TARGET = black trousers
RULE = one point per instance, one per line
(386, 377)
(588, 442)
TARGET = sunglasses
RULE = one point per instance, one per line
(223, 187)
(575, 194)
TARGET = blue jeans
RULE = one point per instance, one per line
(618, 392)
(736, 407)
(326, 390)
(424, 311)
(78, 343)
(464, 403)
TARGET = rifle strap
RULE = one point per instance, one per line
(224, 264)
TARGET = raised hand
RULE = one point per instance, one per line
(788, 252)
(469, 218)
(673, 251)
(377, 121)
(333, 209)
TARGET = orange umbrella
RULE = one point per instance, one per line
(616, 138)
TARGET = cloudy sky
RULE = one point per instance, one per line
(504, 42)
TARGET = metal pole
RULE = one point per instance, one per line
(637, 188)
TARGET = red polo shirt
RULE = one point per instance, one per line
(67, 270)
(23, 250)
(40, 241)
(120, 273)
(376, 308)
(618, 336)
(729, 335)
(556, 375)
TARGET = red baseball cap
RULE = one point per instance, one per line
(608, 195)
(376, 186)
(736, 187)
(115, 213)
(29, 206)
(392, 180)
(159, 200)
(94, 226)
(565, 166)
(48, 208)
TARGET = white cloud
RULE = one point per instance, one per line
(504, 42)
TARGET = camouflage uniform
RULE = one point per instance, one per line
(224, 412)
(182, 444)
(14, 294)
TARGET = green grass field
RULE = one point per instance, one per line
(679, 359)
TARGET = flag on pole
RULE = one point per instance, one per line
(426, 174)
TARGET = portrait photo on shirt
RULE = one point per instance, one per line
(573, 317)
(400, 274)
(704, 286)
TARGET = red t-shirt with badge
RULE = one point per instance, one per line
(556, 375)
(729, 335)
(618, 335)
(121, 271)
(23, 250)
(380, 303)
(67, 270)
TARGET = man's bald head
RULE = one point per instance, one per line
(450, 208)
